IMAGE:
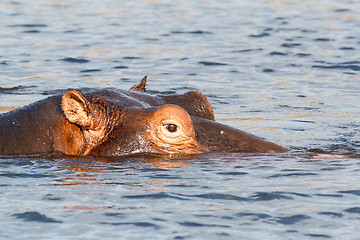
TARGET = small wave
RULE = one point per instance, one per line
(51, 197)
(275, 53)
(136, 224)
(29, 25)
(291, 45)
(131, 58)
(317, 235)
(354, 192)
(353, 210)
(220, 196)
(19, 90)
(268, 70)
(268, 196)
(299, 174)
(191, 32)
(255, 216)
(292, 219)
(329, 195)
(206, 63)
(258, 196)
(153, 170)
(182, 185)
(75, 60)
(338, 66)
(232, 173)
(261, 35)
(332, 214)
(342, 10)
(26, 175)
(32, 31)
(195, 224)
(90, 70)
(247, 50)
(323, 39)
(164, 176)
(289, 220)
(303, 54)
(161, 195)
(347, 48)
(35, 217)
(120, 67)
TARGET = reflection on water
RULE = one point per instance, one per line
(95, 171)
(283, 70)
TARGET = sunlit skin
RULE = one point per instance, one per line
(114, 122)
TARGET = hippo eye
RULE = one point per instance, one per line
(171, 128)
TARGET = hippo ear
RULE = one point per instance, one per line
(77, 108)
(141, 86)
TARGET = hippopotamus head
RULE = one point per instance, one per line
(115, 122)
(120, 123)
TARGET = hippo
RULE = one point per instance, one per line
(113, 122)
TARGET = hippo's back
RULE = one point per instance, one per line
(28, 130)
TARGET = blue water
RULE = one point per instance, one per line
(284, 70)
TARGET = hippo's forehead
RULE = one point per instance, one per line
(126, 99)
(193, 102)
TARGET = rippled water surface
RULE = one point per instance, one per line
(284, 70)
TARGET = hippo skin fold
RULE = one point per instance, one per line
(114, 122)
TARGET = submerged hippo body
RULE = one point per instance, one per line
(113, 122)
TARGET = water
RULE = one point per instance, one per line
(284, 70)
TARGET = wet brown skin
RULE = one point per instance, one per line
(113, 122)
